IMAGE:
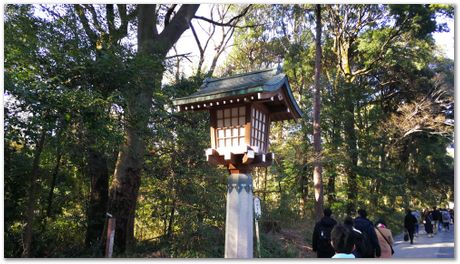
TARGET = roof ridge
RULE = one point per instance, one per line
(208, 80)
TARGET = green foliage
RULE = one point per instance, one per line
(56, 82)
(272, 248)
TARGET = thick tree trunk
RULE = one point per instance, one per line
(126, 182)
(317, 170)
(127, 177)
(31, 202)
(99, 175)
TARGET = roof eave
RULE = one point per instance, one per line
(217, 96)
(297, 113)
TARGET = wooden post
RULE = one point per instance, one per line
(239, 216)
(258, 237)
(110, 237)
(258, 213)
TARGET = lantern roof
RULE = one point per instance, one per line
(270, 87)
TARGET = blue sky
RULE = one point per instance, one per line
(445, 40)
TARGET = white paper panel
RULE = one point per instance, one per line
(235, 111)
(242, 111)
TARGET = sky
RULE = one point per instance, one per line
(445, 40)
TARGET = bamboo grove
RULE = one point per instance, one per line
(89, 126)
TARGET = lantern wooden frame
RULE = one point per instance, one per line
(241, 108)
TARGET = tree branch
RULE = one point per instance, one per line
(96, 23)
(180, 22)
(110, 18)
(185, 55)
(196, 38)
(84, 21)
(168, 14)
(125, 18)
(229, 23)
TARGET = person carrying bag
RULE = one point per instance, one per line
(406, 235)
(385, 239)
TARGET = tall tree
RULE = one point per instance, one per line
(152, 49)
(317, 167)
(32, 196)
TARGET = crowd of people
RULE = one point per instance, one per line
(436, 220)
(360, 238)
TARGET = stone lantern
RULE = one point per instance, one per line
(241, 108)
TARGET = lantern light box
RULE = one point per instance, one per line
(241, 108)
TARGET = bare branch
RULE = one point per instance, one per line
(221, 48)
(196, 38)
(184, 55)
(231, 22)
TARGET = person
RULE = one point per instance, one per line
(358, 238)
(321, 241)
(385, 238)
(367, 228)
(416, 213)
(445, 220)
(342, 242)
(436, 219)
(409, 224)
(427, 222)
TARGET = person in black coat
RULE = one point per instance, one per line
(427, 221)
(357, 236)
(366, 226)
(321, 241)
(409, 224)
(436, 217)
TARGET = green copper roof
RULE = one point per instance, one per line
(239, 84)
(263, 81)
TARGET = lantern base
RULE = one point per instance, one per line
(248, 159)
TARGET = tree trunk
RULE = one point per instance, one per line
(317, 169)
(53, 180)
(99, 175)
(331, 198)
(303, 192)
(55, 172)
(171, 219)
(350, 141)
(127, 177)
(31, 202)
(126, 182)
(265, 186)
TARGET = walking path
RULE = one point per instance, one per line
(439, 246)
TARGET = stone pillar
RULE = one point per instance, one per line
(239, 217)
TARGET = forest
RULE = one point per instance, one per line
(90, 129)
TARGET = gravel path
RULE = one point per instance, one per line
(441, 245)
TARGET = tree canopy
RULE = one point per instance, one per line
(90, 128)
